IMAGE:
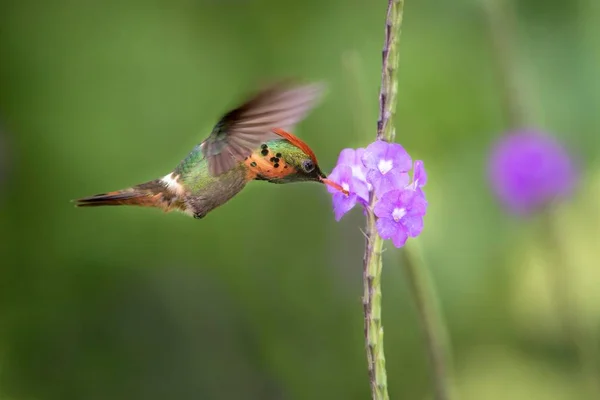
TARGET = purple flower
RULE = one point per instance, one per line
(419, 174)
(419, 177)
(400, 215)
(528, 169)
(350, 174)
(357, 190)
(353, 158)
(400, 206)
(388, 164)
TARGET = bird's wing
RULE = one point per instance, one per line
(242, 130)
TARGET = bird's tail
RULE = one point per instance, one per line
(150, 194)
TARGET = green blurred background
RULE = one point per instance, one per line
(262, 299)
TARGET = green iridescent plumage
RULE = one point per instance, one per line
(242, 130)
(247, 143)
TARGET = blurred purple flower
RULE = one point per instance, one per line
(400, 215)
(388, 164)
(528, 169)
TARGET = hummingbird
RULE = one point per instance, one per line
(250, 142)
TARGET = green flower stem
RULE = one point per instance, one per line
(372, 258)
(372, 310)
(430, 319)
(389, 78)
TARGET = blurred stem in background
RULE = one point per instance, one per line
(517, 105)
(434, 331)
(421, 288)
(519, 114)
(560, 284)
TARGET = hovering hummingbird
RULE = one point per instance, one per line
(248, 143)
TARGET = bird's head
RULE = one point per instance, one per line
(287, 159)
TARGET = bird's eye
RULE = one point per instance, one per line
(308, 165)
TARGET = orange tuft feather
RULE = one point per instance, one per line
(296, 142)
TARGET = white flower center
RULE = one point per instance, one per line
(357, 172)
(345, 186)
(385, 166)
(398, 213)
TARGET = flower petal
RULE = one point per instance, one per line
(395, 179)
(360, 152)
(385, 205)
(341, 174)
(374, 178)
(347, 157)
(419, 174)
(406, 198)
(360, 188)
(399, 239)
(342, 204)
(381, 154)
(413, 225)
(418, 205)
(374, 153)
(359, 171)
(387, 228)
(400, 158)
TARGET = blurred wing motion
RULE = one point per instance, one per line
(242, 130)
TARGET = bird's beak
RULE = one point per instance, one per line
(332, 183)
(323, 179)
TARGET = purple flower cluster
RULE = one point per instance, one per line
(528, 169)
(382, 168)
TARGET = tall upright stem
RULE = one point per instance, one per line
(372, 310)
(372, 265)
(430, 319)
(389, 71)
